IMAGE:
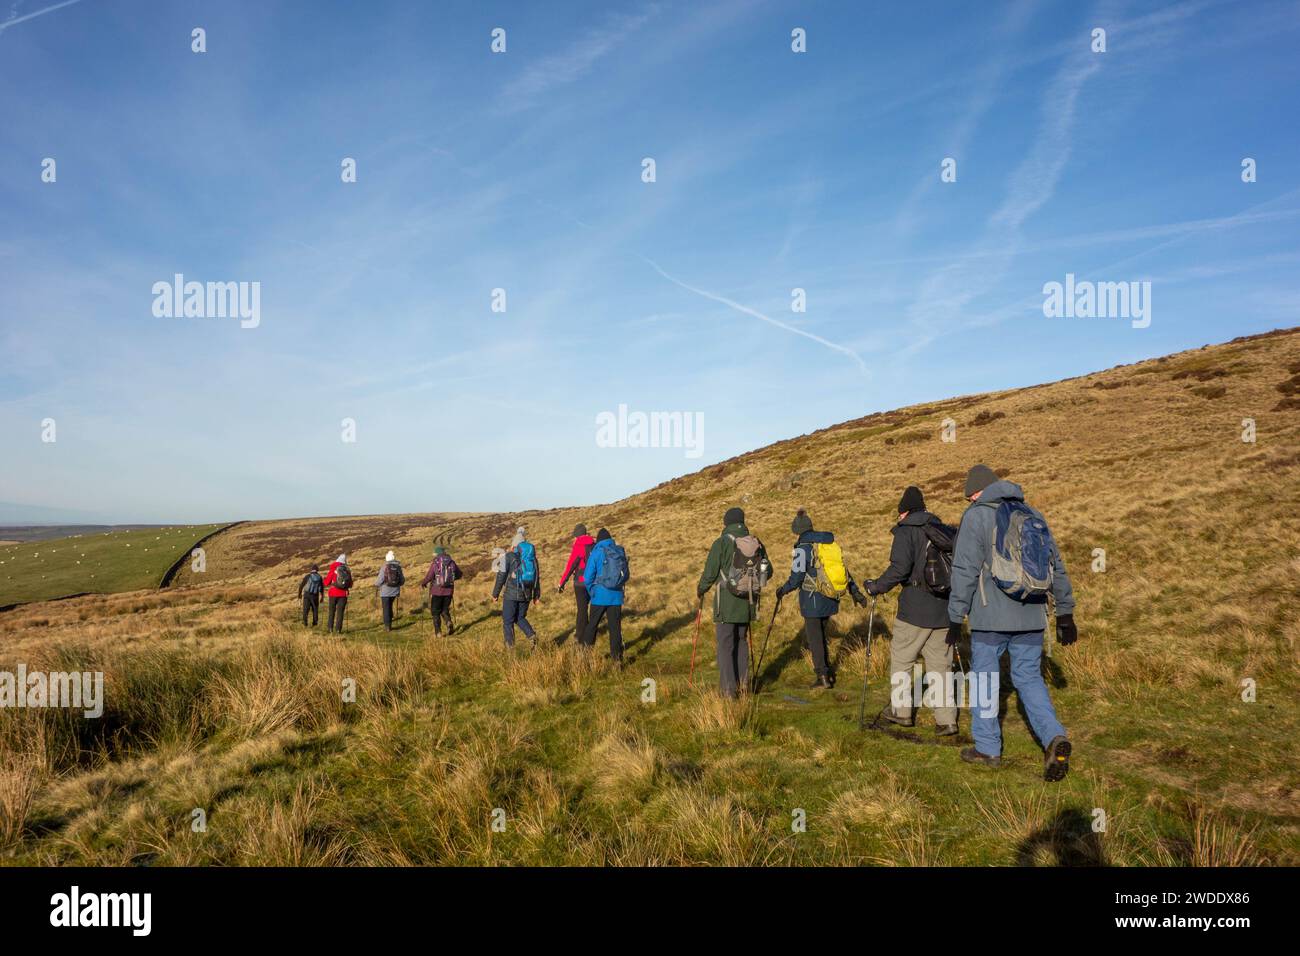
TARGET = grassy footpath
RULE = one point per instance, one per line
(102, 563)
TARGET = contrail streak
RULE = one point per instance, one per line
(36, 13)
(731, 303)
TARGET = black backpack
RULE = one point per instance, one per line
(393, 576)
(343, 578)
(935, 564)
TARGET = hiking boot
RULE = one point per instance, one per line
(820, 683)
(830, 678)
(1057, 760)
(889, 715)
(945, 730)
(971, 755)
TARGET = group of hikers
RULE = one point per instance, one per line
(337, 584)
(997, 569)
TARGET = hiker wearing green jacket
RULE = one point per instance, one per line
(736, 568)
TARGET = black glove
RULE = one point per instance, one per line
(954, 634)
(874, 588)
(1066, 632)
(859, 598)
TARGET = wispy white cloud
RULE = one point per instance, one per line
(565, 67)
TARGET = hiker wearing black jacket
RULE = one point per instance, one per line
(518, 594)
(922, 624)
(816, 607)
(309, 589)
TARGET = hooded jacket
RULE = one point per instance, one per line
(515, 591)
(812, 603)
(430, 576)
(974, 592)
(727, 607)
(916, 605)
(386, 590)
(334, 592)
(602, 596)
(578, 558)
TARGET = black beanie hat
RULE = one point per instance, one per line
(912, 500)
(801, 522)
(734, 516)
(980, 477)
(603, 535)
(579, 530)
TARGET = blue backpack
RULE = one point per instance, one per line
(526, 570)
(613, 568)
(1021, 561)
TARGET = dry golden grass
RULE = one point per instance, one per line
(217, 698)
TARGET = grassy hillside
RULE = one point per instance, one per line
(102, 562)
(218, 700)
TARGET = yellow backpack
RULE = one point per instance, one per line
(827, 576)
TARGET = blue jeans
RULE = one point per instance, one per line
(512, 613)
(986, 650)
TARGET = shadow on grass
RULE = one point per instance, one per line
(644, 642)
(1066, 840)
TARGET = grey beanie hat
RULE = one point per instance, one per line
(980, 477)
(801, 522)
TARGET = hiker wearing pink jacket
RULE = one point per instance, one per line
(582, 545)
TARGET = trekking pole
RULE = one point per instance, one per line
(699, 611)
(866, 671)
(762, 651)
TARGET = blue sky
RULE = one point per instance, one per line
(522, 171)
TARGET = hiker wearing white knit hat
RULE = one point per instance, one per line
(390, 583)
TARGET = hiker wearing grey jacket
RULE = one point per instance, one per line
(388, 593)
(1002, 624)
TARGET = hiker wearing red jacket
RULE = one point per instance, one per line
(582, 545)
(338, 595)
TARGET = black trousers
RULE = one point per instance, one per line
(339, 604)
(814, 629)
(311, 604)
(583, 600)
(387, 604)
(614, 615)
(440, 607)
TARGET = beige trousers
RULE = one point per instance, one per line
(929, 644)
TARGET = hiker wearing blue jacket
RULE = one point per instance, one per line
(815, 607)
(518, 576)
(605, 577)
(1001, 622)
